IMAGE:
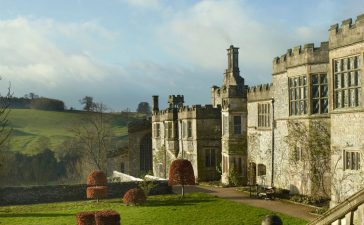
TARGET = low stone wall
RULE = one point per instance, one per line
(61, 193)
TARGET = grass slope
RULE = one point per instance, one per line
(34, 129)
(196, 209)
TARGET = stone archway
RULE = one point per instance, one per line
(146, 154)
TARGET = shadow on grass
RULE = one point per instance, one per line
(34, 215)
(191, 189)
(176, 202)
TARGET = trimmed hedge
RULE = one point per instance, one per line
(86, 218)
(107, 217)
(135, 196)
(97, 178)
(96, 192)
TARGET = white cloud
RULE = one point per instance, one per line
(27, 54)
(200, 34)
(33, 62)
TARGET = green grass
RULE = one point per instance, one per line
(196, 208)
(35, 129)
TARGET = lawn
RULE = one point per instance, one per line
(196, 208)
(35, 130)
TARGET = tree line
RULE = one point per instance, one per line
(34, 102)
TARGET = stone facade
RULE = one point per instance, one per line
(331, 93)
(232, 96)
(191, 133)
(136, 157)
(313, 107)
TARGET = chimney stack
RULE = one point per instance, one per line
(155, 106)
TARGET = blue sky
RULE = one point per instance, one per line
(122, 52)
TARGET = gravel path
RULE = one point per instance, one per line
(231, 193)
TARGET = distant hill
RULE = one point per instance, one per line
(33, 130)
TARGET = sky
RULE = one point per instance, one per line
(121, 52)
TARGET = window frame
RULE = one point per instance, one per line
(237, 124)
(157, 130)
(168, 129)
(350, 156)
(320, 85)
(210, 157)
(259, 172)
(189, 129)
(264, 115)
(298, 86)
(345, 70)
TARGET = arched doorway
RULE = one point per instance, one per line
(146, 154)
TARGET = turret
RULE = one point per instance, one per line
(175, 101)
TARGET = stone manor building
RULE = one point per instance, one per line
(303, 132)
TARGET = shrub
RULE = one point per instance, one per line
(135, 196)
(181, 172)
(96, 192)
(107, 217)
(235, 178)
(310, 200)
(97, 178)
(282, 193)
(85, 218)
(147, 186)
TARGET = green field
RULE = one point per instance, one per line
(196, 208)
(34, 129)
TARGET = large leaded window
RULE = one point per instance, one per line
(157, 130)
(189, 129)
(347, 82)
(264, 115)
(237, 124)
(319, 93)
(168, 131)
(298, 95)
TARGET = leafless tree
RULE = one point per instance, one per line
(5, 131)
(94, 137)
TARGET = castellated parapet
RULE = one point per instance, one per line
(260, 92)
(199, 112)
(348, 33)
(169, 114)
(308, 54)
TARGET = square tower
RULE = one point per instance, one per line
(233, 94)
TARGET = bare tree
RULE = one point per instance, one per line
(5, 102)
(94, 137)
(5, 131)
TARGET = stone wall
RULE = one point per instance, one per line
(259, 146)
(61, 193)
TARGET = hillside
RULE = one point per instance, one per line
(35, 129)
